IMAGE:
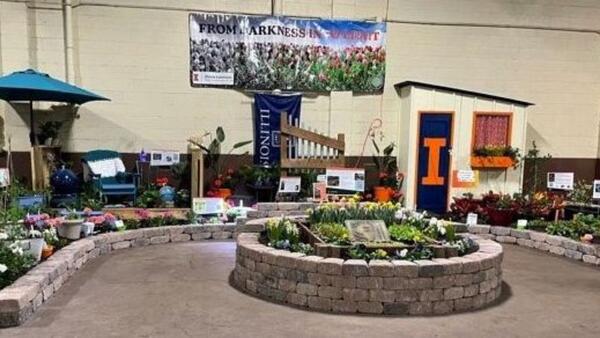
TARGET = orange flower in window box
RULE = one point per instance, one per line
(502, 157)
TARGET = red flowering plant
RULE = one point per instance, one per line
(228, 180)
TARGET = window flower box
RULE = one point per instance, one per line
(492, 162)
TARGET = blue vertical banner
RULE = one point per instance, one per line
(267, 118)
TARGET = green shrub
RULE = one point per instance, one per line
(13, 262)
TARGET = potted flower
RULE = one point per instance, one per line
(71, 227)
(50, 239)
(390, 179)
(500, 209)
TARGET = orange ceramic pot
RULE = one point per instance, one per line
(224, 193)
(383, 194)
(47, 251)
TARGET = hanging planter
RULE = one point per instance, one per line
(492, 162)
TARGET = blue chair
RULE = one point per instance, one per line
(106, 170)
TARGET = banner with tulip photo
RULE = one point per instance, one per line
(267, 53)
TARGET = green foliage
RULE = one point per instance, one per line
(334, 233)
(360, 252)
(49, 129)
(73, 215)
(131, 224)
(149, 197)
(339, 213)
(90, 197)
(533, 179)
(259, 176)
(302, 248)
(282, 233)
(213, 151)
(581, 193)
(561, 228)
(406, 233)
(15, 261)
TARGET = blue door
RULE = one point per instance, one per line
(435, 142)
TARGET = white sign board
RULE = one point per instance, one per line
(471, 219)
(596, 190)
(208, 205)
(561, 181)
(4, 177)
(521, 224)
(346, 179)
(467, 176)
(163, 158)
(289, 185)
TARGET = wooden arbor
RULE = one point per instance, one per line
(305, 149)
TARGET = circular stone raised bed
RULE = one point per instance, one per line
(380, 287)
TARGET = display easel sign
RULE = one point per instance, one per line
(290, 185)
(465, 178)
(208, 205)
(4, 177)
(348, 179)
(596, 190)
(159, 158)
(561, 180)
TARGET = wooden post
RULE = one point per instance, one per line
(197, 169)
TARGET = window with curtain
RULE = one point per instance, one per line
(491, 130)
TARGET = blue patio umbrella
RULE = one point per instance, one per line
(30, 85)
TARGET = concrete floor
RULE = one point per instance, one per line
(182, 291)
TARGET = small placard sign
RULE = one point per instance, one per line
(163, 158)
(348, 179)
(471, 219)
(596, 190)
(521, 224)
(4, 177)
(290, 185)
(561, 181)
(367, 230)
(208, 205)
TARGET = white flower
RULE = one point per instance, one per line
(403, 253)
(3, 268)
(16, 248)
(433, 221)
(441, 227)
(3, 236)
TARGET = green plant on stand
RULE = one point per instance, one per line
(213, 151)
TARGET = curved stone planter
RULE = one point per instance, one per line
(423, 287)
(21, 299)
(557, 245)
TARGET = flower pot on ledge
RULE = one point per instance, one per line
(383, 194)
(491, 162)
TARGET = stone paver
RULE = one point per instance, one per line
(181, 290)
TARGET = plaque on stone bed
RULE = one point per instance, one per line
(367, 230)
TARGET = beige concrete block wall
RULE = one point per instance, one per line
(136, 53)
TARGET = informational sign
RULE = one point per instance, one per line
(163, 158)
(267, 125)
(367, 230)
(208, 205)
(289, 185)
(349, 179)
(596, 190)
(276, 52)
(4, 177)
(521, 224)
(465, 178)
(472, 219)
(561, 180)
(319, 191)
